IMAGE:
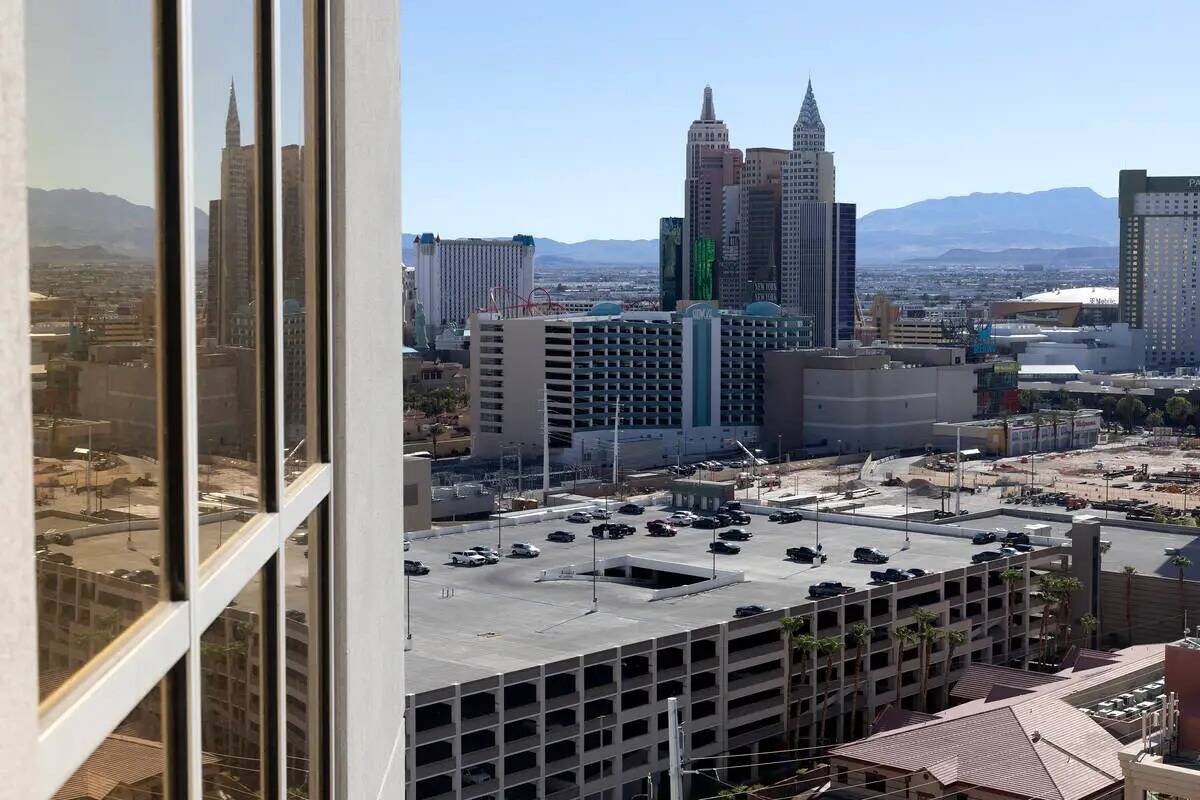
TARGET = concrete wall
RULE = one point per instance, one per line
(1155, 604)
(417, 490)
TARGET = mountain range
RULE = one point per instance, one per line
(1061, 226)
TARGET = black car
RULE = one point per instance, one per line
(1021, 548)
(724, 520)
(660, 527)
(732, 505)
(805, 554)
(1014, 538)
(706, 523)
(916, 572)
(986, 555)
(736, 535)
(611, 530)
(983, 537)
(789, 516)
(751, 610)
(415, 568)
(890, 575)
(828, 589)
(870, 555)
(739, 517)
(560, 536)
(631, 508)
(724, 548)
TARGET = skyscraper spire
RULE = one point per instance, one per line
(233, 126)
(810, 116)
(707, 112)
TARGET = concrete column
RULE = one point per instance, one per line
(1085, 566)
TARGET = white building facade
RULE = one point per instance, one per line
(457, 277)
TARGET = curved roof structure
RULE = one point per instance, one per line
(1088, 295)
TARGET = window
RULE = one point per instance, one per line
(178, 319)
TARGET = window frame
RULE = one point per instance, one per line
(162, 649)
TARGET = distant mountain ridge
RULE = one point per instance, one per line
(63, 223)
(1064, 257)
(590, 252)
(1048, 220)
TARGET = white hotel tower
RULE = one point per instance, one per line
(457, 277)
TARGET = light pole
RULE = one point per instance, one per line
(407, 612)
(595, 600)
(839, 467)
(1106, 480)
(906, 539)
(714, 553)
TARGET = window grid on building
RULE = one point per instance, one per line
(162, 649)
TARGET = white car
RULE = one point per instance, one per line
(579, 516)
(407, 544)
(466, 558)
(683, 518)
(600, 513)
(525, 550)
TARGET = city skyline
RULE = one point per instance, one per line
(946, 101)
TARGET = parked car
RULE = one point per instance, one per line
(732, 505)
(723, 519)
(983, 537)
(986, 555)
(1009, 551)
(407, 543)
(600, 513)
(751, 610)
(525, 550)
(806, 554)
(1012, 538)
(916, 572)
(119, 572)
(890, 575)
(789, 516)
(631, 508)
(146, 577)
(560, 536)
(415, 568)
(682, 518)
(660, 527)
(490, 555)
(870, 555)
(736, 535)
(828, 589)
(58, 558)
(475, 775)
(579, 516)
(739, 517)
(611, 530)
(724, 548)
(706, 523)
(1023, 548)
(466, 558)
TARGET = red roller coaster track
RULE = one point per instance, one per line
(526, 306)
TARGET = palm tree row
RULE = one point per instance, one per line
(1057, 591)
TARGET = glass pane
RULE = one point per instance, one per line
(301, 606)
(130, 762)
(231, 675)
(295, 250)
(92, 325)
(227, 245)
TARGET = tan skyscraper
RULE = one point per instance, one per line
(711, 166)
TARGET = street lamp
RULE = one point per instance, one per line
(713, 548)
(906, 539)
(595, 600)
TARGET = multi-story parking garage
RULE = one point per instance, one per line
(523, 686)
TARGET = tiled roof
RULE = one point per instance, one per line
(1025, 740)
(891, 718)
(978, 680)
(119, 761)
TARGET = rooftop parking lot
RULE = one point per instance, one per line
(469, 622)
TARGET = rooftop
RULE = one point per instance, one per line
(499, 618)
(1032, 741)
(1088, 295)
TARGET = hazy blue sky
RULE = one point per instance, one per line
(567, 119)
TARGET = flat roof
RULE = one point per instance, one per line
(498, 618)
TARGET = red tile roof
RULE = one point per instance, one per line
(1030, 741)
(978, 680)
(119, 761)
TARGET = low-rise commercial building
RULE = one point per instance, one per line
(1022, 434)
(1019, 733)
(861, 399)
(1110, 348)
(674, 384)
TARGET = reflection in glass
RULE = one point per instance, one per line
(295, 252)
(92, 326)
(299, 605)
(226, 196)
(231, 688)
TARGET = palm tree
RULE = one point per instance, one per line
(926, 635)
(902, 636)
(1181, 563)
(806, 644)
(1067, 586)
(435, 430)
(954, 640)
(1055, 419)
(1128, 572)
(1089, 623)
(1011, 576)
(791, 627)
(860, 635)
(1047, 585)
(828, 648)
